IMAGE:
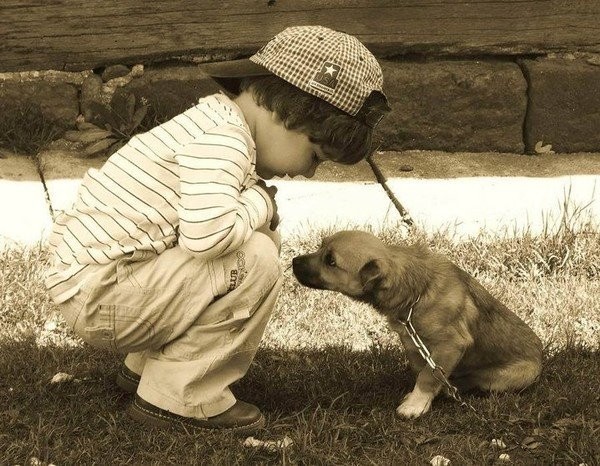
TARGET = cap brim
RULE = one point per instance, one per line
(234, 69)
(228, 74)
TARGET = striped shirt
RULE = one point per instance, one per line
(189, 182)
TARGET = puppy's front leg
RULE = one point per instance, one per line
(426, 388)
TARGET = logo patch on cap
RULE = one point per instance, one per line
(325, 80)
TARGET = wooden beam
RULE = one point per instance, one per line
(79, 34)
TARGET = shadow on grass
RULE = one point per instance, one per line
(337, 406)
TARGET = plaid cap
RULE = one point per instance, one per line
(329, 64)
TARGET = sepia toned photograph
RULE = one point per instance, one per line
(277, 232)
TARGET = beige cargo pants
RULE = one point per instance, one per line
(190, 327)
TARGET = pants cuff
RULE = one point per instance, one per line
(201, 411)
(135, 362)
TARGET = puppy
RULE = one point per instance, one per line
(478, 342)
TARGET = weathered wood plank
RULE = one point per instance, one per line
(78, 34)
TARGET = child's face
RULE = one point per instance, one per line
(281, 152)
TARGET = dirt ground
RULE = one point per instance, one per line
(433, 164)
(407, 164)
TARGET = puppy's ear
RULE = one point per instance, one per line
(372, 274)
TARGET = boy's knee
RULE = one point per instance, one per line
(255, 265)
(262, 254)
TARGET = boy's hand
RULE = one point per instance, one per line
(271, 191)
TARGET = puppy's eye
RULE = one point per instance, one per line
(330, 260)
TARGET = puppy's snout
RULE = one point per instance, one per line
(299, 265)
(304, 271)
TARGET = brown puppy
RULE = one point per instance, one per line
(478, 342)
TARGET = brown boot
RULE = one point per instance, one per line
(127, 380)
(242, 418)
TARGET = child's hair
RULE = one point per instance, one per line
(344, 138)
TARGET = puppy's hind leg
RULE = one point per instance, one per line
(511, 377)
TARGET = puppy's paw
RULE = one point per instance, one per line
(414, 405)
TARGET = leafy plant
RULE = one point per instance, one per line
(111, 126)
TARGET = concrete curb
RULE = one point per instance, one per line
(24, 208)
(461, 194)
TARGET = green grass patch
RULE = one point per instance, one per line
(329, 374)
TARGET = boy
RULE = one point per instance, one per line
(170, 252)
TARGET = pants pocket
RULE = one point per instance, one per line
(123, 329)
(72, 308)
(129, 266)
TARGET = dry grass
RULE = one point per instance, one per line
(25, 129)
(329, 375)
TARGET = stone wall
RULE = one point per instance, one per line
(503, 105)
(519, 77)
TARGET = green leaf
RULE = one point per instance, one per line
(138, 117)
(101, 115)
(99, 146)
(130, 106)
(84, 126)
(90, 135)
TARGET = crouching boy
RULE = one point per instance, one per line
(170, 253)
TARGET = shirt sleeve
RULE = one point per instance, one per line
(217, 214)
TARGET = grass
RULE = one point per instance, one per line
(329, 374)
(26, 130)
